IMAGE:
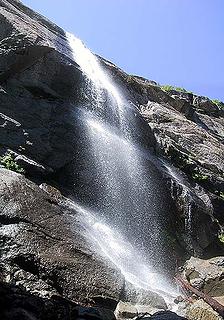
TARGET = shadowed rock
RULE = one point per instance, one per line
(44, 249)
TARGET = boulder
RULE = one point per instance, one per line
(126, 310)
(207, 276)
(165, 315)
(206, 106)
(200, 310)
(17, 304)
(140, 296)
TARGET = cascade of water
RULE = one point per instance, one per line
(114, 246)
(93, 71)
(186, 198)
(124, 187)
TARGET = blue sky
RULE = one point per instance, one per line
(177, 42)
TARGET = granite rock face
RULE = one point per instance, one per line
(44, 248)
(38, 85)
(200, 310)
(189, 137)
(207, 276)
(193, 143)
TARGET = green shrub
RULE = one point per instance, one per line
(221, 194)
(199, 177)
(168, 88)
(180, 89)
(221, 237)
(218, 103)
(9, 163)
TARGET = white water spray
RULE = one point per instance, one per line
(91, 68)
(115, 157)
(186, 195)
(122, 254)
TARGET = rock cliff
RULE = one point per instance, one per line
(39, 86)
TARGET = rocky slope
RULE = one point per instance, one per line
(42, 258)
(189, 134)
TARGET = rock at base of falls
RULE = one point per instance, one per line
(200, 310)
(46, 261)
(127, 310)
(44, 251)
(165, 315)
(16, 304)
(206, 276)
(139, 296)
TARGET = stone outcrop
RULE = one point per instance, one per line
(45, 250)
(200, 310)
(207, 276)
(189, 135)
(17, 303)
(42, 253)
(130, 311)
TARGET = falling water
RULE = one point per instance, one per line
(115, 247)
(123, 188)
(94, 73)
(186, 197)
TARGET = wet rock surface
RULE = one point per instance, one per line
(190, 142)
(43, 254)
(139, 296)
(45, 250)
(127, 310)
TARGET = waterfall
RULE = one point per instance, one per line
(124, 205)
(186, 197)
(95, 75)
(91, 67)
